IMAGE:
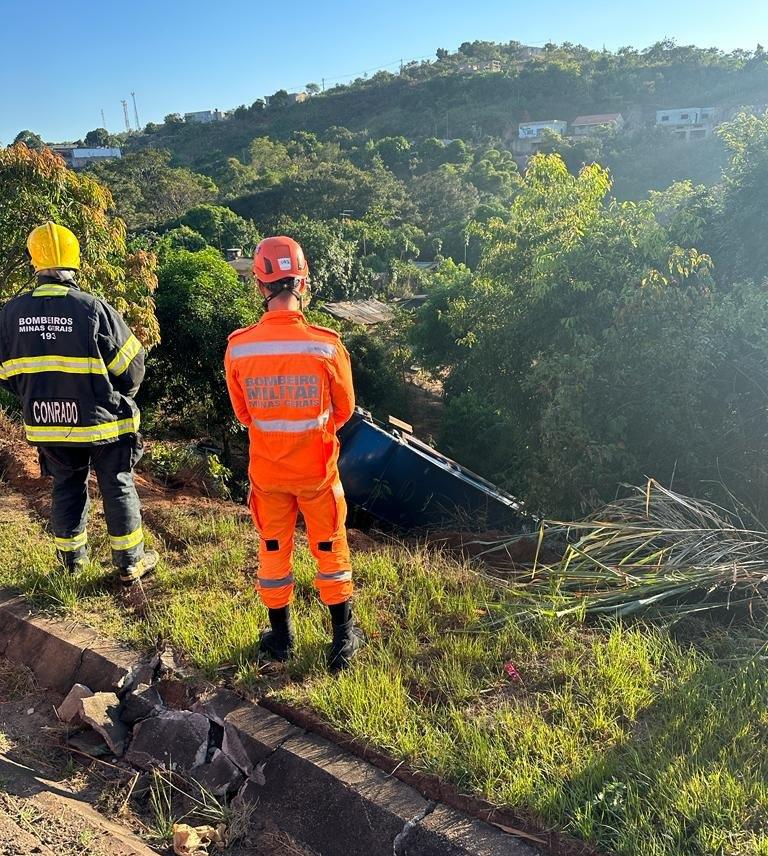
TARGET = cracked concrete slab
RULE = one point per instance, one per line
(220, 776)
(102, 712)
(400, 844)
(446, 832)
(251, 735)
(70, 707)
(174, 739)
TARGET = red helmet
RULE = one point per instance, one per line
(279, 258)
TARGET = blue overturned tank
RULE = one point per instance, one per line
(394, 477)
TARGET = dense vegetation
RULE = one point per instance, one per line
(583, 341)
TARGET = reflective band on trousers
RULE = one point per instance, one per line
(279, 583)
(341, 576)
(52, 363)
(292, 426)
(69, 545)
(279, 349)
(126, 542)
(80, 433)
(124, 356)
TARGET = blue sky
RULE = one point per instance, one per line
(61, 63)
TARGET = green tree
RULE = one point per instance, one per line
(279, 100)
(494, 173)
(221, 227)
(149, 192)
(395, 154)
(37, 186)
(30, 139)
(180, 238)
(328, 188)
(593, 341)
(377, 368)
(200, 301)
(447, 202)
(99, 138)
(743, 221)
(380, 241)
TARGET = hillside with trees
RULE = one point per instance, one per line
(581, 341)
(456, 96)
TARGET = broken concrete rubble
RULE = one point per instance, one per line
(143, 702)
(233, 748)
(218, 705)
(143, 673)
(220, 776)
(174, 739)
(70, 707)
(102, 712)
(314, 788)
(89, 743)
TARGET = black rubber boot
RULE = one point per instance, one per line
(348, 639)
(277, 643)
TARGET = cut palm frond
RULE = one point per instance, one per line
(654, 549)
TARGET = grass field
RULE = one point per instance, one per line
(638, 740)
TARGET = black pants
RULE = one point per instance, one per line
(113, 464)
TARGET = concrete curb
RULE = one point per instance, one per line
(325, 797)
(61, 653)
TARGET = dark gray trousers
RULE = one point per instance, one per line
(113, 464)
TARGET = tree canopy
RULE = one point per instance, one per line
(148, 191)
(36, 187)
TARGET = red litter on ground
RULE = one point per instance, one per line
(511, 671)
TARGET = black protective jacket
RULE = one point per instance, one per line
(73, 362)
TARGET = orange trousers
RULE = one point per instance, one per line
(324, 512)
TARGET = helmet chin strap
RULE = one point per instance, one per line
(294, 288)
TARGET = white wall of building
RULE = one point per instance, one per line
(532, 130)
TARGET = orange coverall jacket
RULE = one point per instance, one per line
(290, 382)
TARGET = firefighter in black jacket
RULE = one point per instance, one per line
(76, 367)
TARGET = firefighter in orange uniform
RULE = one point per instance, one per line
(290, 383)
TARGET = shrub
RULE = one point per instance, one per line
(181, 464)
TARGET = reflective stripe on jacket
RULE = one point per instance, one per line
(73, 362)
(290, 382)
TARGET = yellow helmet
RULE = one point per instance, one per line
(53, 246)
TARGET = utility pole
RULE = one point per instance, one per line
(103, 120)
(323, 81)
(135, 111)
(125, 114)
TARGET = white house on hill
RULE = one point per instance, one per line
(687, 123)
(533, 130)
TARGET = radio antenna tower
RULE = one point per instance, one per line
(135, 111)
(125, 113)
(103, 120)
